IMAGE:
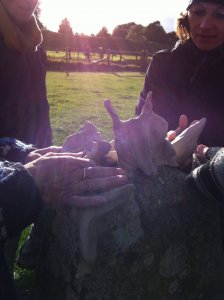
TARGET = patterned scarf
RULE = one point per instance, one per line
(25, 38)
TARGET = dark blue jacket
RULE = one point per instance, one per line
(20, 204)
(188, 81)
(24, 109)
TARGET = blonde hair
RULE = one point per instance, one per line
(183, 28)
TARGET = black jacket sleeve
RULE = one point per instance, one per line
(20, 202)
(156, 79)
(14, 150)
(209, 177)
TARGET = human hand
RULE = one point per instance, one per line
(183, 124)
(52, 149)
(64, 179)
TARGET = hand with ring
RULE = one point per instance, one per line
(65, 179)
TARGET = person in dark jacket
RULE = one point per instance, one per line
(189, 78)
(26, 189)
(24, 109)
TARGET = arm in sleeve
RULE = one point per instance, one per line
(14, 150)
(155, 79)
(20, 202)
(145, 90)
(209, 177)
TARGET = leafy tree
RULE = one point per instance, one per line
(136, 33)
(121, 31)
(66, 33)
(155, 32)
(103, 33)
(65, 27)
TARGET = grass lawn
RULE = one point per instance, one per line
(79, 97)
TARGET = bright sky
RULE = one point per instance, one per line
(88, 16)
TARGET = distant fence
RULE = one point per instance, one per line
(98, 56)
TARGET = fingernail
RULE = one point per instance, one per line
(122, 171)
(122, 178)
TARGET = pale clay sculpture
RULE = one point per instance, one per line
(186, 142)
(89, 141)
(141, 142)
(81, 140)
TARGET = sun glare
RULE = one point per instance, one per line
(90, 16)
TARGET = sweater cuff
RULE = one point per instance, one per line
(211, 152)
(205, 182)
(14, 150)
(209, 178)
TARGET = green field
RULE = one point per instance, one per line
(80, 96)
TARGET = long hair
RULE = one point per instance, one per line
(183, 28)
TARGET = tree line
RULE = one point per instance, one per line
(131, 31)
(125, 37)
